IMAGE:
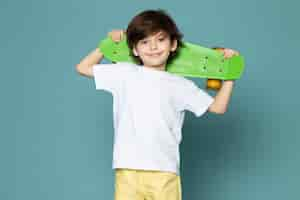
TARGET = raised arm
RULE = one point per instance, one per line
(222, 98)
(84, 68)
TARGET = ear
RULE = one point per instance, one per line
(134, 51)
(174, 45)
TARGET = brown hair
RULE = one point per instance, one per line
(149, 22)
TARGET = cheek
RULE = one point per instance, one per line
(141, 50)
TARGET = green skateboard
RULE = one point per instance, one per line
(192, 60)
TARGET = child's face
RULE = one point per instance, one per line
(155, 49)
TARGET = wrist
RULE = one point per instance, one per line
(228, 81)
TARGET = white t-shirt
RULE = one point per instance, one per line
(148, 110)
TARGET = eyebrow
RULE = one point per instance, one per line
(162, 33)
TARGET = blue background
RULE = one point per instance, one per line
(56, 129)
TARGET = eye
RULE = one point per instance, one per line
(144, 41)
(161, 39)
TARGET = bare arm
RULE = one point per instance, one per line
(222, 98)
(84, 68)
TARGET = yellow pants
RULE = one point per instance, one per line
(131, 184)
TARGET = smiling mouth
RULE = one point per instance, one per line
(154, 54)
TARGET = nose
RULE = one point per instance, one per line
(153, 45)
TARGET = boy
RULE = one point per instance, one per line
(148, 107)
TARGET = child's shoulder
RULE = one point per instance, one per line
(181, 79)
(127, 66)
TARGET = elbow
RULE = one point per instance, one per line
(221, 111)
(78, 69)
(217, 110)
(84, 71)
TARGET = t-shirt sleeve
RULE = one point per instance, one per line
(108, 76)
(196, 100)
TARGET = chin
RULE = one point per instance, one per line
(155, 64)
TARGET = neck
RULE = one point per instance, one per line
(161, 67)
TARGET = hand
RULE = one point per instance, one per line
(116, 35)
(228, 53)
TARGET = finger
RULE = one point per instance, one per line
(229, 53)
(116, 37)
(121, 35)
